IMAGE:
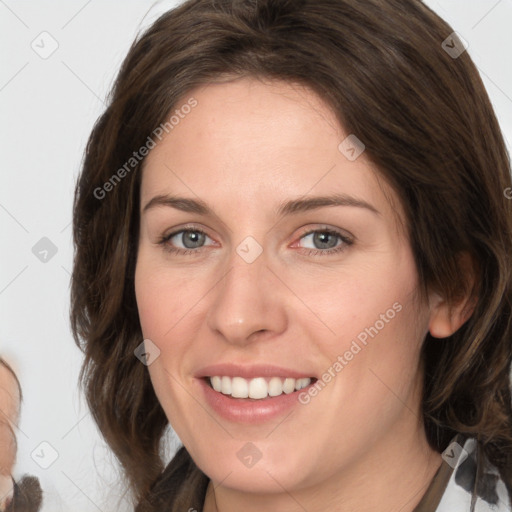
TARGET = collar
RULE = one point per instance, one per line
(453, 487)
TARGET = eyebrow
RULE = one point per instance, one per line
(290, 207)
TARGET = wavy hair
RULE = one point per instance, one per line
(428, 126)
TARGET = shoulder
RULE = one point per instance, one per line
(474, 477)
(182, 485)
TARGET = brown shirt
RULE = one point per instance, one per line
(435, 491)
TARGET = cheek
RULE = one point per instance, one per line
(360, 307)
(379, 329)
(162, 297)
(148, 296)
(165, 302)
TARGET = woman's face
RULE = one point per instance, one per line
(273, 292)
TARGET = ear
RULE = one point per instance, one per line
(446, 318)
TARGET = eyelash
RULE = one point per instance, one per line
(309, 252)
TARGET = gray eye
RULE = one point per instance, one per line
(323, 239)
(190, 239)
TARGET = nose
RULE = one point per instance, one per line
(249, 302)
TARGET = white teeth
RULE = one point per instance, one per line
(239, 387)
(216, 383)
(258, 387)
(275, 387)
(226, 385)
(302, 383)
(289, 386)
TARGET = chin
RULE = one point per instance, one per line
(259, 467)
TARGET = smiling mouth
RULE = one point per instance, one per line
(258, 388)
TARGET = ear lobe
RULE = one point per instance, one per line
(446, 318)
(444, 321)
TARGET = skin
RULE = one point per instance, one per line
(247, 147)
(9, 414)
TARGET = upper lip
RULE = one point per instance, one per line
(250, 371)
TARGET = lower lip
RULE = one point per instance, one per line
(248, 410)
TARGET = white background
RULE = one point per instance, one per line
(48, 108)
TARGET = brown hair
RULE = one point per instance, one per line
(428, 125)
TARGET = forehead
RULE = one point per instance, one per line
(253, 110)
(247, 139)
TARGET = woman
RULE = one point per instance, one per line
(298, 377)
